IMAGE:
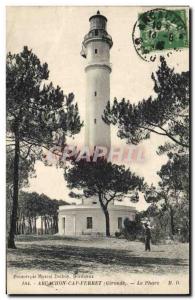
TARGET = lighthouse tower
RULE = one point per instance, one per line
(96, 50)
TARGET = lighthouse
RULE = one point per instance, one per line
(87, 218)
(96, 50)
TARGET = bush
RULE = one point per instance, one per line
(131, 236)
(141, 238)
(183, 236)
(123, 233)
(117, 234)
(158, 235)
(131, 229)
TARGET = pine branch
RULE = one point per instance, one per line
(28, 152)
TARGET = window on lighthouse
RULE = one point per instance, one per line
(96, 32)
(95, 121)
(95, 93)
(96, 51)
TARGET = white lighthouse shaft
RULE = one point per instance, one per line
(96, 50)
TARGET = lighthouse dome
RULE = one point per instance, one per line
(98, 21)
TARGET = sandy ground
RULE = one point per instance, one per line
(105, 255)
(88, 265)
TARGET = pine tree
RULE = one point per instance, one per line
(35, 111)
(103, 179)
(166, 114)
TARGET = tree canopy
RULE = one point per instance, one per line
(104, 180)
(35, 109)
(38, 115)
(166, 114)
(32, 206)
(170, 200)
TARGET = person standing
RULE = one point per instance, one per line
(147, 237)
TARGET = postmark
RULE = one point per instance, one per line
(160, 30)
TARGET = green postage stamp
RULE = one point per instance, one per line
(160, 29)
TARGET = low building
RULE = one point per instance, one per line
(88, 218)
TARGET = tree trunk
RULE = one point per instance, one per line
(106, 213)
(107, 222)
(30, 225)
(35, 225)
(45, 225)
(172, 221)
(20, 228)
(19, 221)
(23, 225)
(51, 226)
(17, 227)
(55, 224)
(41, 225)
(56, 227)
(11, 241)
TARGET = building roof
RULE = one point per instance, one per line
(81, 207)
(98, 15)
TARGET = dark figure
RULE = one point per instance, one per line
(147, 237)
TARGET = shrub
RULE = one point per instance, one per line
(117, 234)
(132, 228)
(158, 235)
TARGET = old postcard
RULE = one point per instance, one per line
(98, 150)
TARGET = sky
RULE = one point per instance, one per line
(55, 35)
